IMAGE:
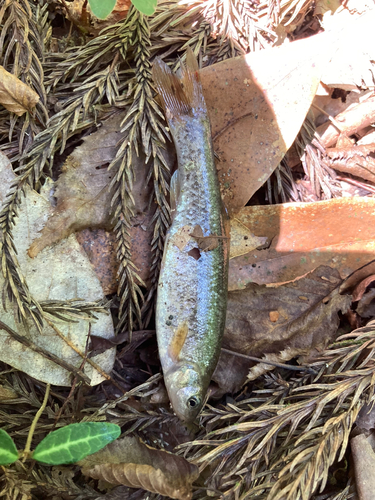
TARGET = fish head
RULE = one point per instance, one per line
(185, 389)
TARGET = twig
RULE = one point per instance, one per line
(80, 353)
(272, 363)
(48, 355)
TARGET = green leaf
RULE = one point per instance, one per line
(8, 450)
(147, 7)
(74, 442)
(102, 8)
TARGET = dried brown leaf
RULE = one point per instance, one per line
(339, 233)
(256, 105)
(350, 121)
(132, 463)
(279, 323)
(364, 465)
(16, 96)
(7, 393)
(100, 247)
(242, 240)
(205, 243)
(355, 160)
(84, 201)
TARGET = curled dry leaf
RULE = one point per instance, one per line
(355, 160)
(304, 236)
(350, 121)
(279, 323)
(132, 463)
(16, 96)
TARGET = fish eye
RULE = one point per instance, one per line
(193, 402)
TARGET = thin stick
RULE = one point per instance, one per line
(26, 451)
(48, 355)
(82, 355)
(331, 119)
(272, 363)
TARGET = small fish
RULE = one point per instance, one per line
(192, 290)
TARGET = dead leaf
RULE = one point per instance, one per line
(355, 160)
(356, 277)
(279, 323)
(360, 289)
(324, 6)
(182, 237)
(350, 121)
(206, 243)
(83, 201)
(100, 247)
(339, 233)
(242, 240)
(132, 463)
(366, 417)
(7, 393)
(366, 305)
(350, 69)
(61, 273)
(363, 454)
(16, 96)
(257, 104)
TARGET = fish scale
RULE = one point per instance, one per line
(192, 289)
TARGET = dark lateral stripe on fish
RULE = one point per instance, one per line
(180, 97)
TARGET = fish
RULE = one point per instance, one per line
(193, 282)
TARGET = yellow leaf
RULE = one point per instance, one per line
(16, 96)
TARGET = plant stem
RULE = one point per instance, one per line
(26, 451)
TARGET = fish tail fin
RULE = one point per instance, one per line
(180, 96)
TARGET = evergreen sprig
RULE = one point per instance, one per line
(281, 443)
(144, 133)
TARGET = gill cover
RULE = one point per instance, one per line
(184, 385)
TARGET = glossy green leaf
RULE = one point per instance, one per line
(74, 442)
(8, 450)
(102, 8)
(147, 7)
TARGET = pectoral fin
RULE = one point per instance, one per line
(178, 341)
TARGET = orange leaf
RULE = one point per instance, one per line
(16, 96)
(339, 233)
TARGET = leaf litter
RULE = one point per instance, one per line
(132, 463)
(257, 441)
(61, 272)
